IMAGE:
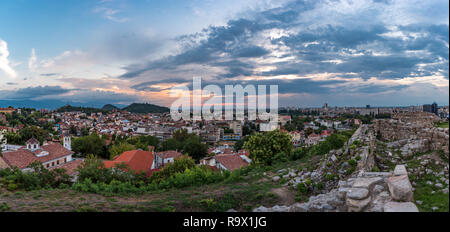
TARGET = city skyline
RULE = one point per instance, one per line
(379, 53)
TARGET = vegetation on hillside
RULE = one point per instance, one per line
(144, 108)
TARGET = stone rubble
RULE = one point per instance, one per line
(371, 192)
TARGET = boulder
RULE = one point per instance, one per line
(400, 188)
(367, 183)
(357, 193)
(278, 208)
(261, 209)
(400, 207)
(378, 189)
(342, 193)
(400, 170)
(357, 205)
(299, 207)
(276, 178)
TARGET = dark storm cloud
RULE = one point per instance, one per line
(364, 51)
(33, 92)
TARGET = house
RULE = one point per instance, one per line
(7, 110)
(229, 162)
(49, 154)
(357, 121)
(71, 168)
(165, 157)
(284, 119)
(312, 139)
(326, 133)
(136, 160)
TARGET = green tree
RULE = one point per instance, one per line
(119, 148)
(194, 147)
(180, 135)
(33, 131)
(171, 144)
(240, 143)
(178, 166)
(91, 144)
(264, 146)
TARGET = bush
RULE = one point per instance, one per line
(352, 163)
(280, 158)
(264, 146)
(37, 178)
(299, 153)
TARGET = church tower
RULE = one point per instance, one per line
(67, 141)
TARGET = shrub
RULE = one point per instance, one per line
(352, 163)
(178, 166)
(37, 178)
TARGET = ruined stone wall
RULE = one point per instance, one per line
(413, 132)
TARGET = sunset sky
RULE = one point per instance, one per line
(353, 53)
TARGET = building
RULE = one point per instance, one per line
(431, 108)
(312, 139)
(67, 141)
(284, 119)
(49, 154)
(3, 140)
(236, 126)
(228, 162)
(165, 157)
(7, 110)
(136, 160)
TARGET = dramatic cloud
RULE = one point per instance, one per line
(300, 45)
(5, 65)
(343, 52)
(32, 92)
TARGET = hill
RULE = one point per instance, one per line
(110, 107)
(87, 110)
(145, 108)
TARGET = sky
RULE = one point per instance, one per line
(340, 52)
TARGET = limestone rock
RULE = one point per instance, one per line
(261, 209)
(367, 183)
(299, 207)
(400, 188)
(400, 170)
(357, 193)
(400, 207)
(357, 205)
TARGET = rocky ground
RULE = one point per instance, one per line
(398, 164)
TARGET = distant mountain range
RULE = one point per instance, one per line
(88, 108)
(133, 108)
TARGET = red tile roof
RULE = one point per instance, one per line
(231, 162)
(32, 141)
(69, 166)
(169, 154)
(137, 160)
(24, 157)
